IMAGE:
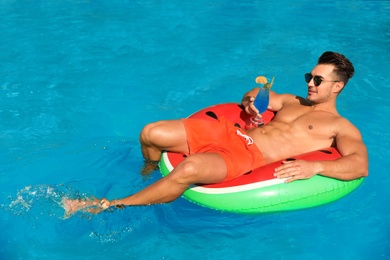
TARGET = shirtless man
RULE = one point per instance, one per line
(300, 125)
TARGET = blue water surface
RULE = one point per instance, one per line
(79, 80)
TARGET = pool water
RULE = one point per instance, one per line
(79, 80)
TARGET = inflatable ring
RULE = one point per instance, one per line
(259, 191)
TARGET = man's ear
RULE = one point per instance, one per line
(338, 87)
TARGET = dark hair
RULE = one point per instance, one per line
(343, 67)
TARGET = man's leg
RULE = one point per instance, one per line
(198, 168)
(202, 168)
(167, 135)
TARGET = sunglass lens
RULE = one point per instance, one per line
(317, 80)
(308, 77)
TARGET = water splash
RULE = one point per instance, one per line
(41, 207)
(40, 200)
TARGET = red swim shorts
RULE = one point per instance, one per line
(237, 149)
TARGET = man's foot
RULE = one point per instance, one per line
(72, 206)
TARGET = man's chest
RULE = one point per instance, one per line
(307, 121)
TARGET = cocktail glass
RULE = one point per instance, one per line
(261, 103)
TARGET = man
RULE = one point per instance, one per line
(300, 125)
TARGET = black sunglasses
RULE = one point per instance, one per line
(317, 79)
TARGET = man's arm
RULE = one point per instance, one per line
(354, 161)
(352, 165)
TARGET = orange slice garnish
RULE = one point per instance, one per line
(261, 80)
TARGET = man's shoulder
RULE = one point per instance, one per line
(343, 125)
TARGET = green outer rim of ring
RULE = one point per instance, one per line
(301, 194)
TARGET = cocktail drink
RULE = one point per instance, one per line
(262, 99)
(261, 103)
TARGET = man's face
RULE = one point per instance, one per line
(321, 85)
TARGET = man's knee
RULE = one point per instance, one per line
(187, 172)
(148, 133)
